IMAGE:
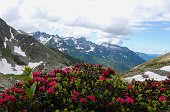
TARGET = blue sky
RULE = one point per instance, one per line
(154, 39)
(141, 25)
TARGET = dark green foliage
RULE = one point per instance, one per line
(6, 52)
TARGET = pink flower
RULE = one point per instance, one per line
(113, 72)
(130, 100)
(73, 97)
(162, 98)
(75, 68)
(10, 98)
(52, 83)
(54, 79)
(51, 90)
(56, 71)
(158, 83)
(76, 93)
(82, 100)
(92, 98)
(102, 78)
(162, 89)
(72, 79)
(67, 70)
(153, 84)
(21, 83)
(130, 87)
(3, 95)
(32, 81)
(2, 101)
(42, 88)
(135, 91)
(121, 100)
(16, 90)
(40, 79)
(52, 74)
(7, 91)
(110, 103)
(36, 74)
(106, 72)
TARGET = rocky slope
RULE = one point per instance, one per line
(18, 49)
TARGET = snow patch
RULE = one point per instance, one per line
(151, 75)
(155, 76)
(165, 68)
(91, 49)
(6, 68)
(12, 36)
(105, 44)
(44, 40)
(78, 47)
(103, 57)
(33, 65)
(62, 49)
(5, 45)
(56, 39)
(19, 31)
(125, 57)
(31, 43)
(19, 51)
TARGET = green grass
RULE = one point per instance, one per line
(16, 77)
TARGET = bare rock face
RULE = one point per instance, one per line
(7, 83)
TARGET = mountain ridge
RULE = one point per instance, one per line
(120, 58)
(147, 57)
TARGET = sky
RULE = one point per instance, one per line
(140, 25)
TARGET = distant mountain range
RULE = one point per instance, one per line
(18, 49)
(147, 57)
(120, 58)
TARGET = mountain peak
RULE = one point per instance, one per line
(82, 39)
(107, 44)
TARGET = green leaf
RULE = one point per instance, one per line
(29, 78)
(150, 109)
(33, 87)
(29, 92)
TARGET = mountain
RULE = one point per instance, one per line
(120, 58)
(18, 49)
(159, 66)
(147, 57)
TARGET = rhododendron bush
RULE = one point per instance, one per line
(85, 87)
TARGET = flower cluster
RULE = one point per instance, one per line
(85, 87)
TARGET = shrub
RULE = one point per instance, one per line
(84, 87)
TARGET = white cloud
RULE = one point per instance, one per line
(167, 28)
(112, 20)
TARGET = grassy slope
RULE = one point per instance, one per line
(16, 77)
(152, 65)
